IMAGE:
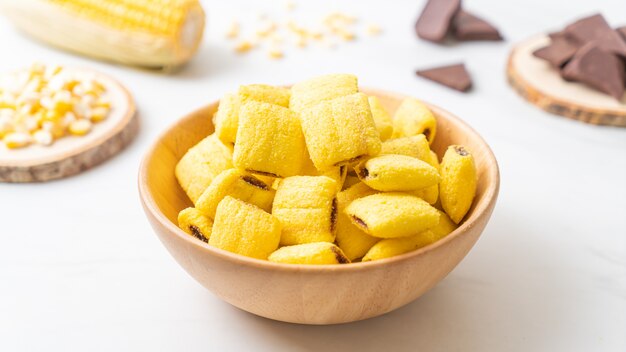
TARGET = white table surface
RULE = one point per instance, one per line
(81, 270)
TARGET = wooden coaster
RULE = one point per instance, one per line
(541, 84)
(71, 154)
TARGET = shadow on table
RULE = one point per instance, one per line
(498, 299)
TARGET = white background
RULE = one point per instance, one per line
(80, 268)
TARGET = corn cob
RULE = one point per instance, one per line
(162, 33)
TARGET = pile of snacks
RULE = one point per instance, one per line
(591, 52)
(44, 103)
(322, 174)
(276, 34)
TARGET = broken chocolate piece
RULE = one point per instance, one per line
(466, 26)
(595, 28)
(453, 76)
(435, 20)
(598, 69)
(558, 52)
(621, 31)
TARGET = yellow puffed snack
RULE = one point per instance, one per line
(381, 118)
(192, 221)
(340, 131)
(226, 119)
(391, 247)
(351, 239)
(458, 182)
(265, 93)
(310, 92)
(269, 140)
(390, 215)
(415, 146)
(412, 118)
(245, 229)
(337, 173)
(238, 185)
(307, 209)
(309, 253)
(394, 172)
(445, 226)
(201, 164)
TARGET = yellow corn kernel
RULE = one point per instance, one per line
(233, 30)
(16, 140)
(275, 53)
(195, 223)
(340, 131)
(264, 93)
(381, 118)
(80, 127)
(226, 119)
(351, 239)
(201, 164)
(394, 172)
(310, 92)
(445, 226)
(238, 185)
(390, 215)
(316, 253)
(98, 114)
(43, 137)
(260, 149)
(244, 46)
(373, 29)
(412, 118)
(245, 229)
(458, 182)
(392, 247)
(307, 208)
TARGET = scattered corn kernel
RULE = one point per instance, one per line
(244, 46)
(310, 253)
(16, 140)
(233, 30)
(43, 137)
(80, 127)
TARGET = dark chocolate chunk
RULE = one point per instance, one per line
(466, 26)
(598, 69)
(595, 28)
(622, 31)
(558, 52)
(435, 20)
(453, 76)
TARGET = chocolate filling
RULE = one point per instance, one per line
(359, 221)
(341, 258)
(461, 151)
(333, 215)
(198, 234)
(255, 182)
(426, 133)
(363, 173)
(262, 173)
(349, 161)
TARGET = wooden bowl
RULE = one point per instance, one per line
(308, 294)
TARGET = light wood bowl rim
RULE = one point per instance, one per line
(491, 194)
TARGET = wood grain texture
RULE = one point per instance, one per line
(71, 155)
(304, 294)
(539, 83)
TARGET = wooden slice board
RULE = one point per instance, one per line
(71, 154)
(541, 84)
